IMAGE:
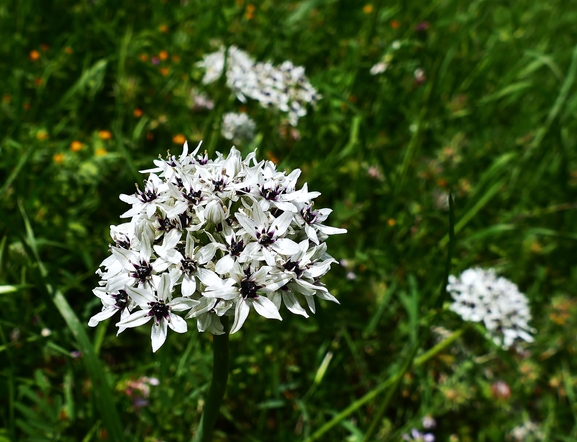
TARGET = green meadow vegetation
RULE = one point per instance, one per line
(460, 153)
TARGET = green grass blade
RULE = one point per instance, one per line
(101, 388)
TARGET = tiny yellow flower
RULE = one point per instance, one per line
(100, 152)
(178, 139)
(367, 9)
(58, 158)
(76, 146)
(163, 29)
(391, 222)
(42, 135)
(104, 135)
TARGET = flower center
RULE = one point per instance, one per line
(193, 197)
(265, 238)
(189, 265)
(309, 215)
(236, 247)
(121, 299)
(249, 289)
(147, 196)
(142, 271)
(159, 310)
(293, 266)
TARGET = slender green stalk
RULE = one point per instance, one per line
(217, 386)
(384, 385)
(384, 405)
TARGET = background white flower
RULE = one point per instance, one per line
(481, 296)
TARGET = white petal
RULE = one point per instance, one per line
(141, 296)
(188, 285)
(292, 303)
(104, 314)
(182, 304)
(248, 224)
(311, 303)
(164, 288)
(265, 307)
(135, 319)
(282, 222)
(286, 246)
(224, 264)
(311, 233)
(158, 334)
(240, 314)
(327, 230)
(177, 324)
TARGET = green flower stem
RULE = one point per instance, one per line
(217, 386)
(384, 385)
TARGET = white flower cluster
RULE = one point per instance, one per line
(237, 127)
(284, 87)
(214, 238)
(481, 296)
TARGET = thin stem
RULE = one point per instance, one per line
(384, 385)
(217, 386)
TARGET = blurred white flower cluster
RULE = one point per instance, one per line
(283, 87)
(481, 296)
(237, 127)
(214, 238)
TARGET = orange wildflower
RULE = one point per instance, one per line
(395, 24)
(178, 139)
(163, 29)
(6, 98)
(68, 50)
(367, 9)
(100, 152)
(163, 55)
(164, 71)
(137, 113)
(104, 135)
(75, 146)
(38, 81)
(58, 158)
(34, 55)
(249, 14)
(143, 57)
(391, 222)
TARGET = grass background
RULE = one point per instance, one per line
(492, 120)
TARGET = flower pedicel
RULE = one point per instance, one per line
(210, 238)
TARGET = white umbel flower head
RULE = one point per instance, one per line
(214, 238)
(482, 296)
(237, 127)
(284, 87)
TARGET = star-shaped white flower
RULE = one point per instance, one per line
(158, 306)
